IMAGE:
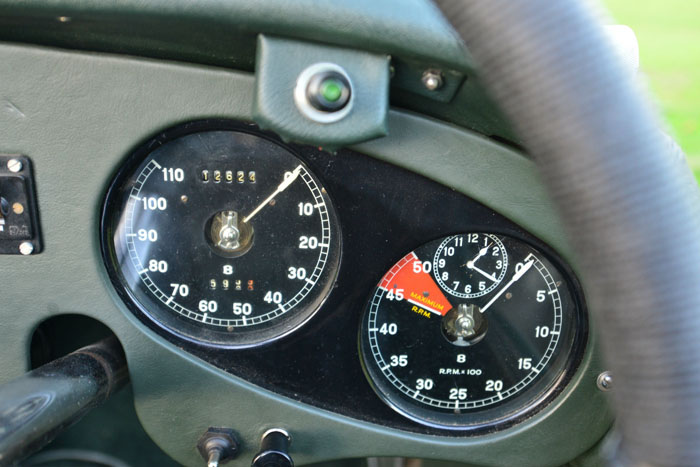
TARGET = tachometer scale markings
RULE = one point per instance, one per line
(415, 320)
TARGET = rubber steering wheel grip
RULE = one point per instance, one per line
(629, 212)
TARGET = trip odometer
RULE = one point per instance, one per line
(223, 237)
(457, 360)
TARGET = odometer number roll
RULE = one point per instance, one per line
(472, 331)
(221, 237)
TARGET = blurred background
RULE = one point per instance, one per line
(668, 32)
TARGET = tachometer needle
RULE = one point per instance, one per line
(282, 186)
(518, 274)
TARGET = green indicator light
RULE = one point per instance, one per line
(331, 90)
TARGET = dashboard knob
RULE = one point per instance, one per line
(274, 450)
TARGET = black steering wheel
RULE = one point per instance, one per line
(630, 212)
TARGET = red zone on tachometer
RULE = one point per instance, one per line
(418, 288)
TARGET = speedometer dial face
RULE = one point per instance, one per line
(460, 360)
(221, 237)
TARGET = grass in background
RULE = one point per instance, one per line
(669, 48)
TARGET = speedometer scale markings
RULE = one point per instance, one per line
(434, 356)
(225, 238)
(131, 241)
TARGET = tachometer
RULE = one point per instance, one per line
(461, 358)
(221, 237)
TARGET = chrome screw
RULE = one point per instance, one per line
(14, 165)
(432, 79)
(605, 381)
(26, 248)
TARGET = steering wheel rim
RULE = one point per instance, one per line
(629, 209)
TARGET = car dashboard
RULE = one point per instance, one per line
(396, 283)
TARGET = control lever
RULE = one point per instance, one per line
(38, 406)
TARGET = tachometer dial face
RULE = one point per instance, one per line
(221, 237)
(469, 361)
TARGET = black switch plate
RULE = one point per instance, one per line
(19, 215)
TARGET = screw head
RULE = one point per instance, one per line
(605, 381)
(432, 79)
(26, 248)
(14, 165)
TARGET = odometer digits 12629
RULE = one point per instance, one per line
(221, 237)
(471, 331)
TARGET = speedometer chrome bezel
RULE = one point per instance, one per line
(328, 263)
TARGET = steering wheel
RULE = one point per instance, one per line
(629, 215)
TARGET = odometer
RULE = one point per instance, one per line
(221, 237)
(471, 331)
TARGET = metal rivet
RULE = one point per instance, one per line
(14, 165)
(432, 79)
(26, 248)
(605, 381)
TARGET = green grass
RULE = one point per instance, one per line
(669, 47)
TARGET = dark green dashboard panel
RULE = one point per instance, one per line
(78, 115)
(224, 33)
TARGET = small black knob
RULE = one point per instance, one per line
(274, 450)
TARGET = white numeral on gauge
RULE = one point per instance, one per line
(305, 209)
(296, 273)
(398, 360)
(524, 363)
(424, 266)
(154, 204)
(395, 294)
(242, 308)
(494, 385)
(308, 243)
(426, 384)
(182, 290)
(151, 235)
(173, 175)
(157, 266)
(208, 306)
(273, 297)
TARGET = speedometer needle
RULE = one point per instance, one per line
(282, 186)
(518, 274)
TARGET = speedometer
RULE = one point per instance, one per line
(471, 331)
(221, 237)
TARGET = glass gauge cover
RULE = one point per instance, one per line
(452, 356)
(222, 237)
